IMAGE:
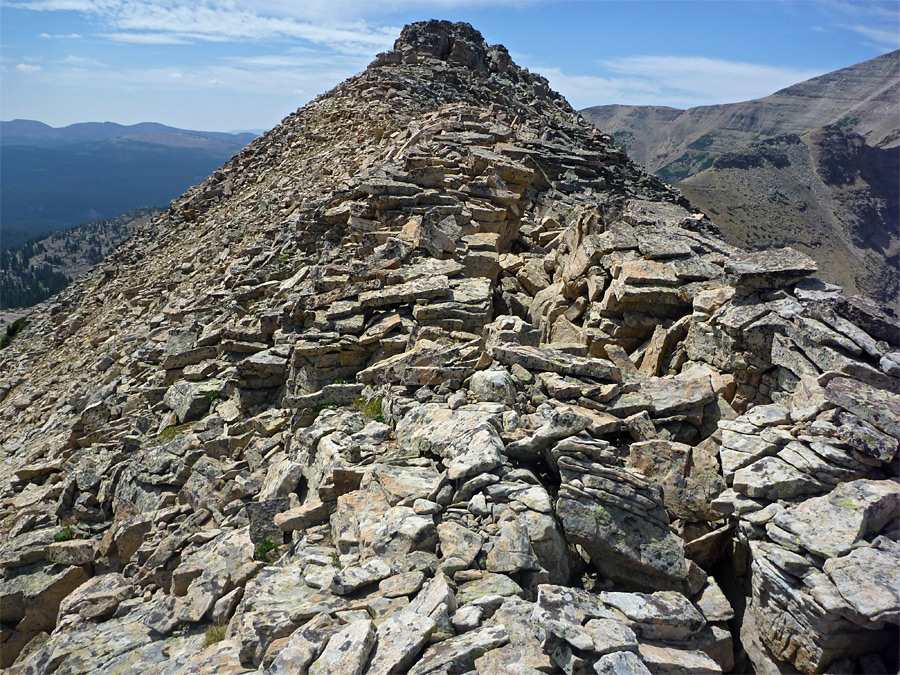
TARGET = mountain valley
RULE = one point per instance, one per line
(55, 178)
(827, 193)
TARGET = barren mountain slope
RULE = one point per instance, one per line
(826, 193)
(431, 378)
(675, 144)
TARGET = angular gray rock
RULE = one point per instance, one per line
(347, 651)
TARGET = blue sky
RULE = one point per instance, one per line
(245, 64)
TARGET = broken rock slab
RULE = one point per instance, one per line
(774, 268)
(623, 530)
(831, 525)
(347, 651)
(869, 581)
(556, 361)
(878, 407)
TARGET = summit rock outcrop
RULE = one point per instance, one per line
(431, 378)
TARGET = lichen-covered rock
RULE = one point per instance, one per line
(347, 651)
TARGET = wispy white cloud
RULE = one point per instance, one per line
(28, 68)
(241, 76)
(145, 38)
(674, 81)
(81, 61)
(877, 22)
(183, 21)
(58, 36)
(89, 6)
(884, 39)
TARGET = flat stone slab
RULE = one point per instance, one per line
(671, 661)
(772, 478)
(458, 654)
(664, 615)
(489, 584)
(435, 428)
(556, 361)
(620, 663)
(869, 579)
(775, 268)
(829, 526)
(664, 396)
(878, 407)
(353, 578)
(400, 641)
(402, 293)
(622, 545)
(346, 652)
(866, 439)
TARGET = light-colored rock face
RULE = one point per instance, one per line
(452, 386)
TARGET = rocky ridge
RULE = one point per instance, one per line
(432, 379)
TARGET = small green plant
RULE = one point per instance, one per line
(66, 534)
(341, 380)
(370, 408)
(170, 432)
(12, 330)
(214, 633)
(212, 395)
(263, 549)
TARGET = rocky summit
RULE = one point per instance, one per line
(431, 378)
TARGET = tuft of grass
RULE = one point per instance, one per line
(370, 408)
(214, 633)
(341, 380)
(66, 534)
(12, 330)
(212, 395)
(169, 433)
(263, 549)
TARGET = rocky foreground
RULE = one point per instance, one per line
(432, 379)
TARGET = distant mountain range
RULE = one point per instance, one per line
(39, 135)
(815, 166)
(54, 178)
(675, 144)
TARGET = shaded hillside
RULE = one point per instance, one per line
(34, 271)
(69, 176)
(675, 144)
(826, 192)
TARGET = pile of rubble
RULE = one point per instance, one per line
(432, 379)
